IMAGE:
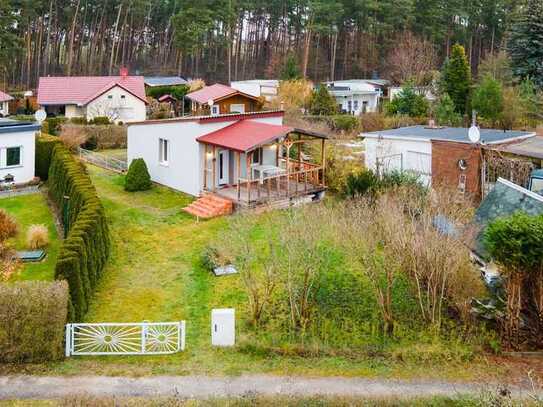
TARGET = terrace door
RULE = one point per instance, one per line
(222, 167)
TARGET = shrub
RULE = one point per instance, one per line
(100, 120)
(37, 236)
(32, 320)
(322, 102)
(361, 183)
(79, 120)
(293, 95)
(137, 178)
(44, 150)
(408, 102)
(177, 91)
(53, 125)
(84, 252)
(8, 226)
(98, 137)
(345, 122)
(73, 137)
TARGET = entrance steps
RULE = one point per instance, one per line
(210, 206)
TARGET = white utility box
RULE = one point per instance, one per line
(223, 327)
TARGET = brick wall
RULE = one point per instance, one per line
(445, 168)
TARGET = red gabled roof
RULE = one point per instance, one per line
(4, 97)
(245, 135)
(215, 93)
(80, 90)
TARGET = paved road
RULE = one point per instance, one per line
(43, 387)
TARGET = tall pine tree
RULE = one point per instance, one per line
(456, 78)
(526, 43)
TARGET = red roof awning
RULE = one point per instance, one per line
(245, 135)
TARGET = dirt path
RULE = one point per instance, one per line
(43, 387)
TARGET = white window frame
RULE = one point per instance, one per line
(215, 110)
(4, 157)
(237, 108)
(163, 151)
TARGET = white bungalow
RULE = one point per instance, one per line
(17, 151)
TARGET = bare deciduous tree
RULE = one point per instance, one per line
(412, 59)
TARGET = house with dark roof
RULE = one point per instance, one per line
(120, 98)
(230, 160)
(17, 151)
(438, 155)
(155, 81)
(221, 99)
(4, 104)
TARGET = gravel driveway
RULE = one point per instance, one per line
(43, 387)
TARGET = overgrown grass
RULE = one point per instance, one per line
(155, 274)
(30, 210)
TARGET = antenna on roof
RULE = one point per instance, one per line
(473, 133)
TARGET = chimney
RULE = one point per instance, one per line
(123, 72)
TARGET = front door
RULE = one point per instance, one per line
(223, 164)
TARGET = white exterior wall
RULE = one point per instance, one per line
(185, 168)
(74, 111)
(400, 154)
(130, 109)
(26, 140)
(4, 108)
(343, 99)
(266, 88)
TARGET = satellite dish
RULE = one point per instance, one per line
(40, 116)
(210, 102)
(474, 134)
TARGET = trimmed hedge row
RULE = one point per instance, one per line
(44, 151)
(32, 319)
(84, 252)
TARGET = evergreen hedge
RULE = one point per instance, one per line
(44, 151)
(84, 252)
(137, 177)
(32, 319)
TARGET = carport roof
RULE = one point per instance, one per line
(453, 134)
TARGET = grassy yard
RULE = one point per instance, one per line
(154, 274)
(30, 210)
(118, 153)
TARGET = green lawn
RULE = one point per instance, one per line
(30, 210)
(154, 274)
(118, 153)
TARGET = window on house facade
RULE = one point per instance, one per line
(349, 106)
(257, 156)
(215, 109)
(110, 96)
(163, 151)
(355, 105)
(13, 156)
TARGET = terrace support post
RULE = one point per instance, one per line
(299, 148)
(205, 167)
(323, 162)
(249, 175)
(289, 145)
(214, 168)
(238, 173)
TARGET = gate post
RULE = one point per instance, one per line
(182, 335)
(68, 348)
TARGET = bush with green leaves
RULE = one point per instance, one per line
(487, 99)
(408, 102)
(52, 125)
(137, 177)
(44, 151)
(100, 120)
(445, 113)
(345, 122)
(515, 243)
(32, 319)
(177, 91)
(367, 182)
(456, 78)
(85, 250)
(322, 103)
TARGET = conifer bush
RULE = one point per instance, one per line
(44, 151)
(84, 252)
(137, 178)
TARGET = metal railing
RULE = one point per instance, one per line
(103, 160)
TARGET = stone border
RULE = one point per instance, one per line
(9, 193)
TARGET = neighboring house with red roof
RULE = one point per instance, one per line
(221, 99)
(120, 98)
(246, 159)
(4, 104)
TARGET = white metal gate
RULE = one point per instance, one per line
(145, 338)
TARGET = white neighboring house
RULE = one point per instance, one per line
(241, 157)
(393, 91)
(267, 88)
(4, 104)
(120, 98)
(17, 151)
(356, 96)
